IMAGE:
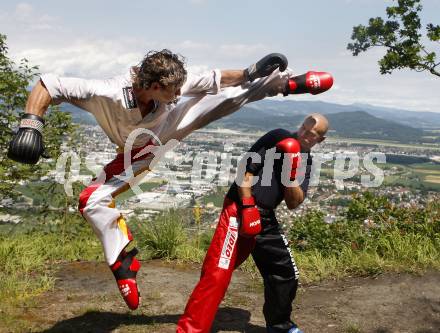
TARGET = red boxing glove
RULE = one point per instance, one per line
(310, 82)
(291, 146)
(250, 225)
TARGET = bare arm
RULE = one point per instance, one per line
(245, 188)
(261, 68)
(231, 78)
(293, 196)
(27, 145)
(39, 100)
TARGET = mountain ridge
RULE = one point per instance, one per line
(351, 121)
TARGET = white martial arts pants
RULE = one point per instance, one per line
(96, 202)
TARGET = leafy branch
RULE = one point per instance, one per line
(401, 36)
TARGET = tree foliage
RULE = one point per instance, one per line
(401, 35)
(14, 84)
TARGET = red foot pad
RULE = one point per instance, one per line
(125, 269)
(311, 82)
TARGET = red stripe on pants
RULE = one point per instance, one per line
(205, 299)
(113, 168)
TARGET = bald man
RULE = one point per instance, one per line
(276, 168)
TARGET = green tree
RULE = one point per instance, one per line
(14, 84)
(401, 35)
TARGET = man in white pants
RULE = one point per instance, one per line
(145, 98)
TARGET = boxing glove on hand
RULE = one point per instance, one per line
(250, 225)
(310, 82)
(293, 148)
(266, 66)
(27, 144)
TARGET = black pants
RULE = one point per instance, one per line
(277, 267)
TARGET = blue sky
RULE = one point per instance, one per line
(103, 38)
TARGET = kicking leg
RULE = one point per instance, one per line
(97, 205)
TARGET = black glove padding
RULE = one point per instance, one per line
(266, 66)
(27, 144)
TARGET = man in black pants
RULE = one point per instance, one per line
(275, 168)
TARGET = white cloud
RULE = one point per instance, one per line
(25, 17)
(192, 45)
(357, 79)
(242, 50)
(84, 58)
(198, 69)
(23, 11)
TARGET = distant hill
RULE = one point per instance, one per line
(421, 120)
(360, 124)
(351, 124)
(425, 120)
(351, 121)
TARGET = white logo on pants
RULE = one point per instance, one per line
(286, 243)
(229, 244)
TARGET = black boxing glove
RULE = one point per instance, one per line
(27, 144)
(266, 66)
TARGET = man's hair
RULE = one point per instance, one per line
(163, 67)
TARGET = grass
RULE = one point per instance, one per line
(396, 240)
(27, 257)
(352, 328)
(322, 251)
(162, 236)
(394, 253)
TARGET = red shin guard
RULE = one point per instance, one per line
(125, 269)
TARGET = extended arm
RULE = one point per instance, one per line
(39, 100)
(232, 78)
(262, 68)
(27, 144)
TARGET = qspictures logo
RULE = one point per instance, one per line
(216, 167)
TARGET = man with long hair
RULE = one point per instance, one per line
(139, 111)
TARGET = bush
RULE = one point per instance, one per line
(372, 236)
(310, 232)
(161, 237)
